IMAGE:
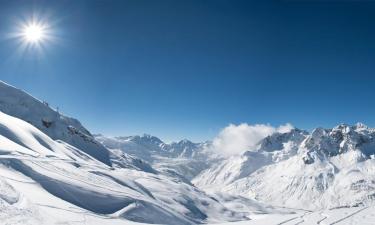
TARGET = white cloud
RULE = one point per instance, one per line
(285, 128)
(236, 139)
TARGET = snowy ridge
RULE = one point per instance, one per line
(17, 103)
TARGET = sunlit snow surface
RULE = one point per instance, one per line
(50, 182)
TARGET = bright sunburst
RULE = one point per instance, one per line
(33, 33)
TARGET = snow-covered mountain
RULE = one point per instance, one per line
(271, 149)
(327, 168)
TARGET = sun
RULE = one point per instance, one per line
(33, 33)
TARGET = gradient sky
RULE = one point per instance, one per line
(179, 69)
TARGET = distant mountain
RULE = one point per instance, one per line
(184, 157)
(148, 146)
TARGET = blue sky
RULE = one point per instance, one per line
(180, 69)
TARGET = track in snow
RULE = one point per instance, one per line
(343, 216)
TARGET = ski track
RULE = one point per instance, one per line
(303, 218)
(288, 220)
(349, 216)
(324, 217)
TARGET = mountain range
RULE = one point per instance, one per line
(54, 171)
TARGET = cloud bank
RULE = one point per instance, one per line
(236, 139)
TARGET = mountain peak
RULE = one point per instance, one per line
(277, 140)
(185, 142)
(149, 138)
(361, 126)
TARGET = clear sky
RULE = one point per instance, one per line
(179, 69)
